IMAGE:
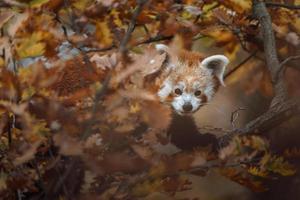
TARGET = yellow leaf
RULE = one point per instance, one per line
(278, 165)
(103, 33)
(116, 17)
(135, 108)
(27, 93)
(81, 4)
(147, 187)
(240, 6)
(208, 7)
(31, 46)
(1, 62)
(257, 172)
(296, 24)
(37, 3)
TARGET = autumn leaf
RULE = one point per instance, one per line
(104, 62)
(239, 6)
(31, 46)
(78, 116)
(148, 63)
(5, 16)
(3, 179)
(14, 24)
(1, 62)
(89, 179)
(68, 145)
(257, 172)
(103, 34)
(157, 116)
(38, 3)
(28, 155)
(106, 2)
(278, 165)
(81, 4)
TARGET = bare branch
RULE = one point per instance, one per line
(279, 105)
(282, 67)
(241, 64)
(280, 109)
(261, 12)
(234, 116)
(289, 59)
(131, 25)
(156, 39)
(277, 114)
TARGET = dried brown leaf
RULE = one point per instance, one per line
(67, 145)
(28, 155)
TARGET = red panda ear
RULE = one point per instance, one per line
(217, 63)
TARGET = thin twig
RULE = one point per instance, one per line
(40, 179)
(280, 109)
(155, 39)
(93, 50)
(241, 64)
(234, 116)
(131, 25)
(282, 67)
(289, 59)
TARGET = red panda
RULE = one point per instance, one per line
(191, 79)
(188, 80)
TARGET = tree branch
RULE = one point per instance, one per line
(261, 12)
(155, 39)
(131, 25)
(241, 64)
(289, 59)
(282, 67)
(276, 115)
(281, 109)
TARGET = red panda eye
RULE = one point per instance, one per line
(197, 93)
(178, 91)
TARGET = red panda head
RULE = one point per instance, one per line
(191, 80)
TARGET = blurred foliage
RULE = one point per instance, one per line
(89, 125)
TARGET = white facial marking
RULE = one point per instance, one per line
(166, 90)
(209, 91)
(186, 98)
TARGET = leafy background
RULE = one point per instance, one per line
(79, 115)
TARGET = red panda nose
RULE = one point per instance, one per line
(187, 107)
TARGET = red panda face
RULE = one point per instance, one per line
(192, 81)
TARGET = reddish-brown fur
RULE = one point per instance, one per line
(188, 71)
